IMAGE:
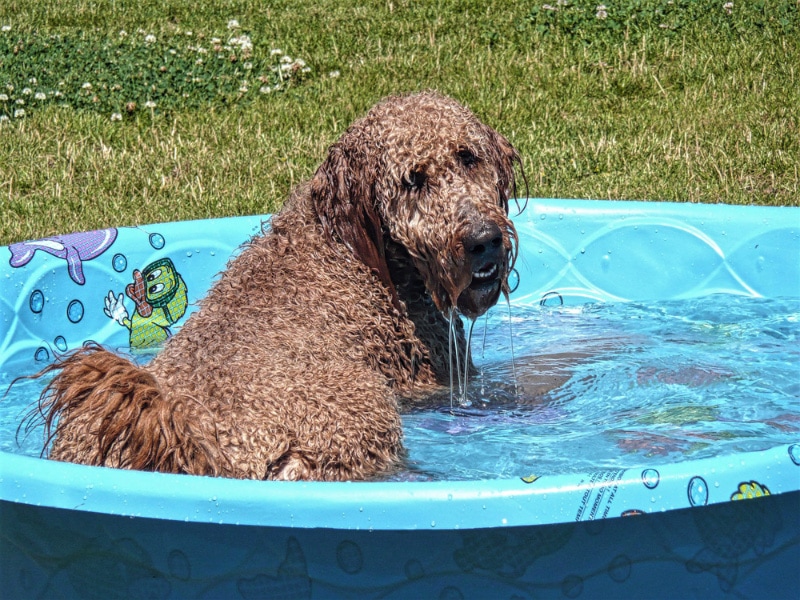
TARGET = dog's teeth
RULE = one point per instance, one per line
(487, 273)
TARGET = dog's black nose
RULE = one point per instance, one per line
(484, 242)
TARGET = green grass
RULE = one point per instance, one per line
(658, 100)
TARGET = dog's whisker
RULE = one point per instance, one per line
(464, 399)
(450, 336)
(485, 329)
(511, 341)
(483, 350)
(454, 332)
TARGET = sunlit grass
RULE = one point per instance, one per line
(123, 74)
(704, 109)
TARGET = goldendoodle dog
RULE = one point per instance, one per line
(296, 363)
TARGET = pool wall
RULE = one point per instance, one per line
(746, 549)
(709, 527)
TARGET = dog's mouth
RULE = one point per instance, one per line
(483, 289)
(471, 278)
(485, 275)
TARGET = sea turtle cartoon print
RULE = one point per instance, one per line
(160, 296)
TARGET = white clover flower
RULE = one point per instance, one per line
(247, 66)
(233, 24)
(4, 118)
(149, 104)
(728, 6)
(243, 42)
(334, 74)
(87, 86)
(173, 51)
(9, 87)
(275, 52)
(40, 96)
(188, 33)
(199, 61)
(3, 97)
(116, 117)
(19, 113)
(306, 70)
(286, 58)
(58, 94)
(201, 50)
(602, 12)
(27, 91)
(122, 33)
(216, 40)
(243, 89)
(265, 89)
(5, 28)
(33, 81)
(20, 101)
(150, 39)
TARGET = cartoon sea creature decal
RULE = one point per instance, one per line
(159, 293)
(73, 247)
(291, 581)
(732, 531)
(750, 489)
(509, 553)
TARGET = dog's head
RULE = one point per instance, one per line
(423, 172)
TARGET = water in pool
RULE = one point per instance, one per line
(591, 386)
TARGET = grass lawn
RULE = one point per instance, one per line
(121, 113)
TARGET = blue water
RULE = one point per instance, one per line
(592, 386)
(637, 384)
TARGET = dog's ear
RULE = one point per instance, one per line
(505, 157)
(344, 203)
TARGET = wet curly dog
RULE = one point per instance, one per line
(296, 363)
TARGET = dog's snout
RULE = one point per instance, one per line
(484, 242)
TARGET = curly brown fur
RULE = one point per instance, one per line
(101, 395)
(294, 365)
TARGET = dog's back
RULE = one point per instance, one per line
(271, 378)
(294, 364)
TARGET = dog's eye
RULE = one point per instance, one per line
(467, 158)
(415, 180)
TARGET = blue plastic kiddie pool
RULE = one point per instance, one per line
(716, 513)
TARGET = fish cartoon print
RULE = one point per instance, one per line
(74, 248)
(160, 296)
